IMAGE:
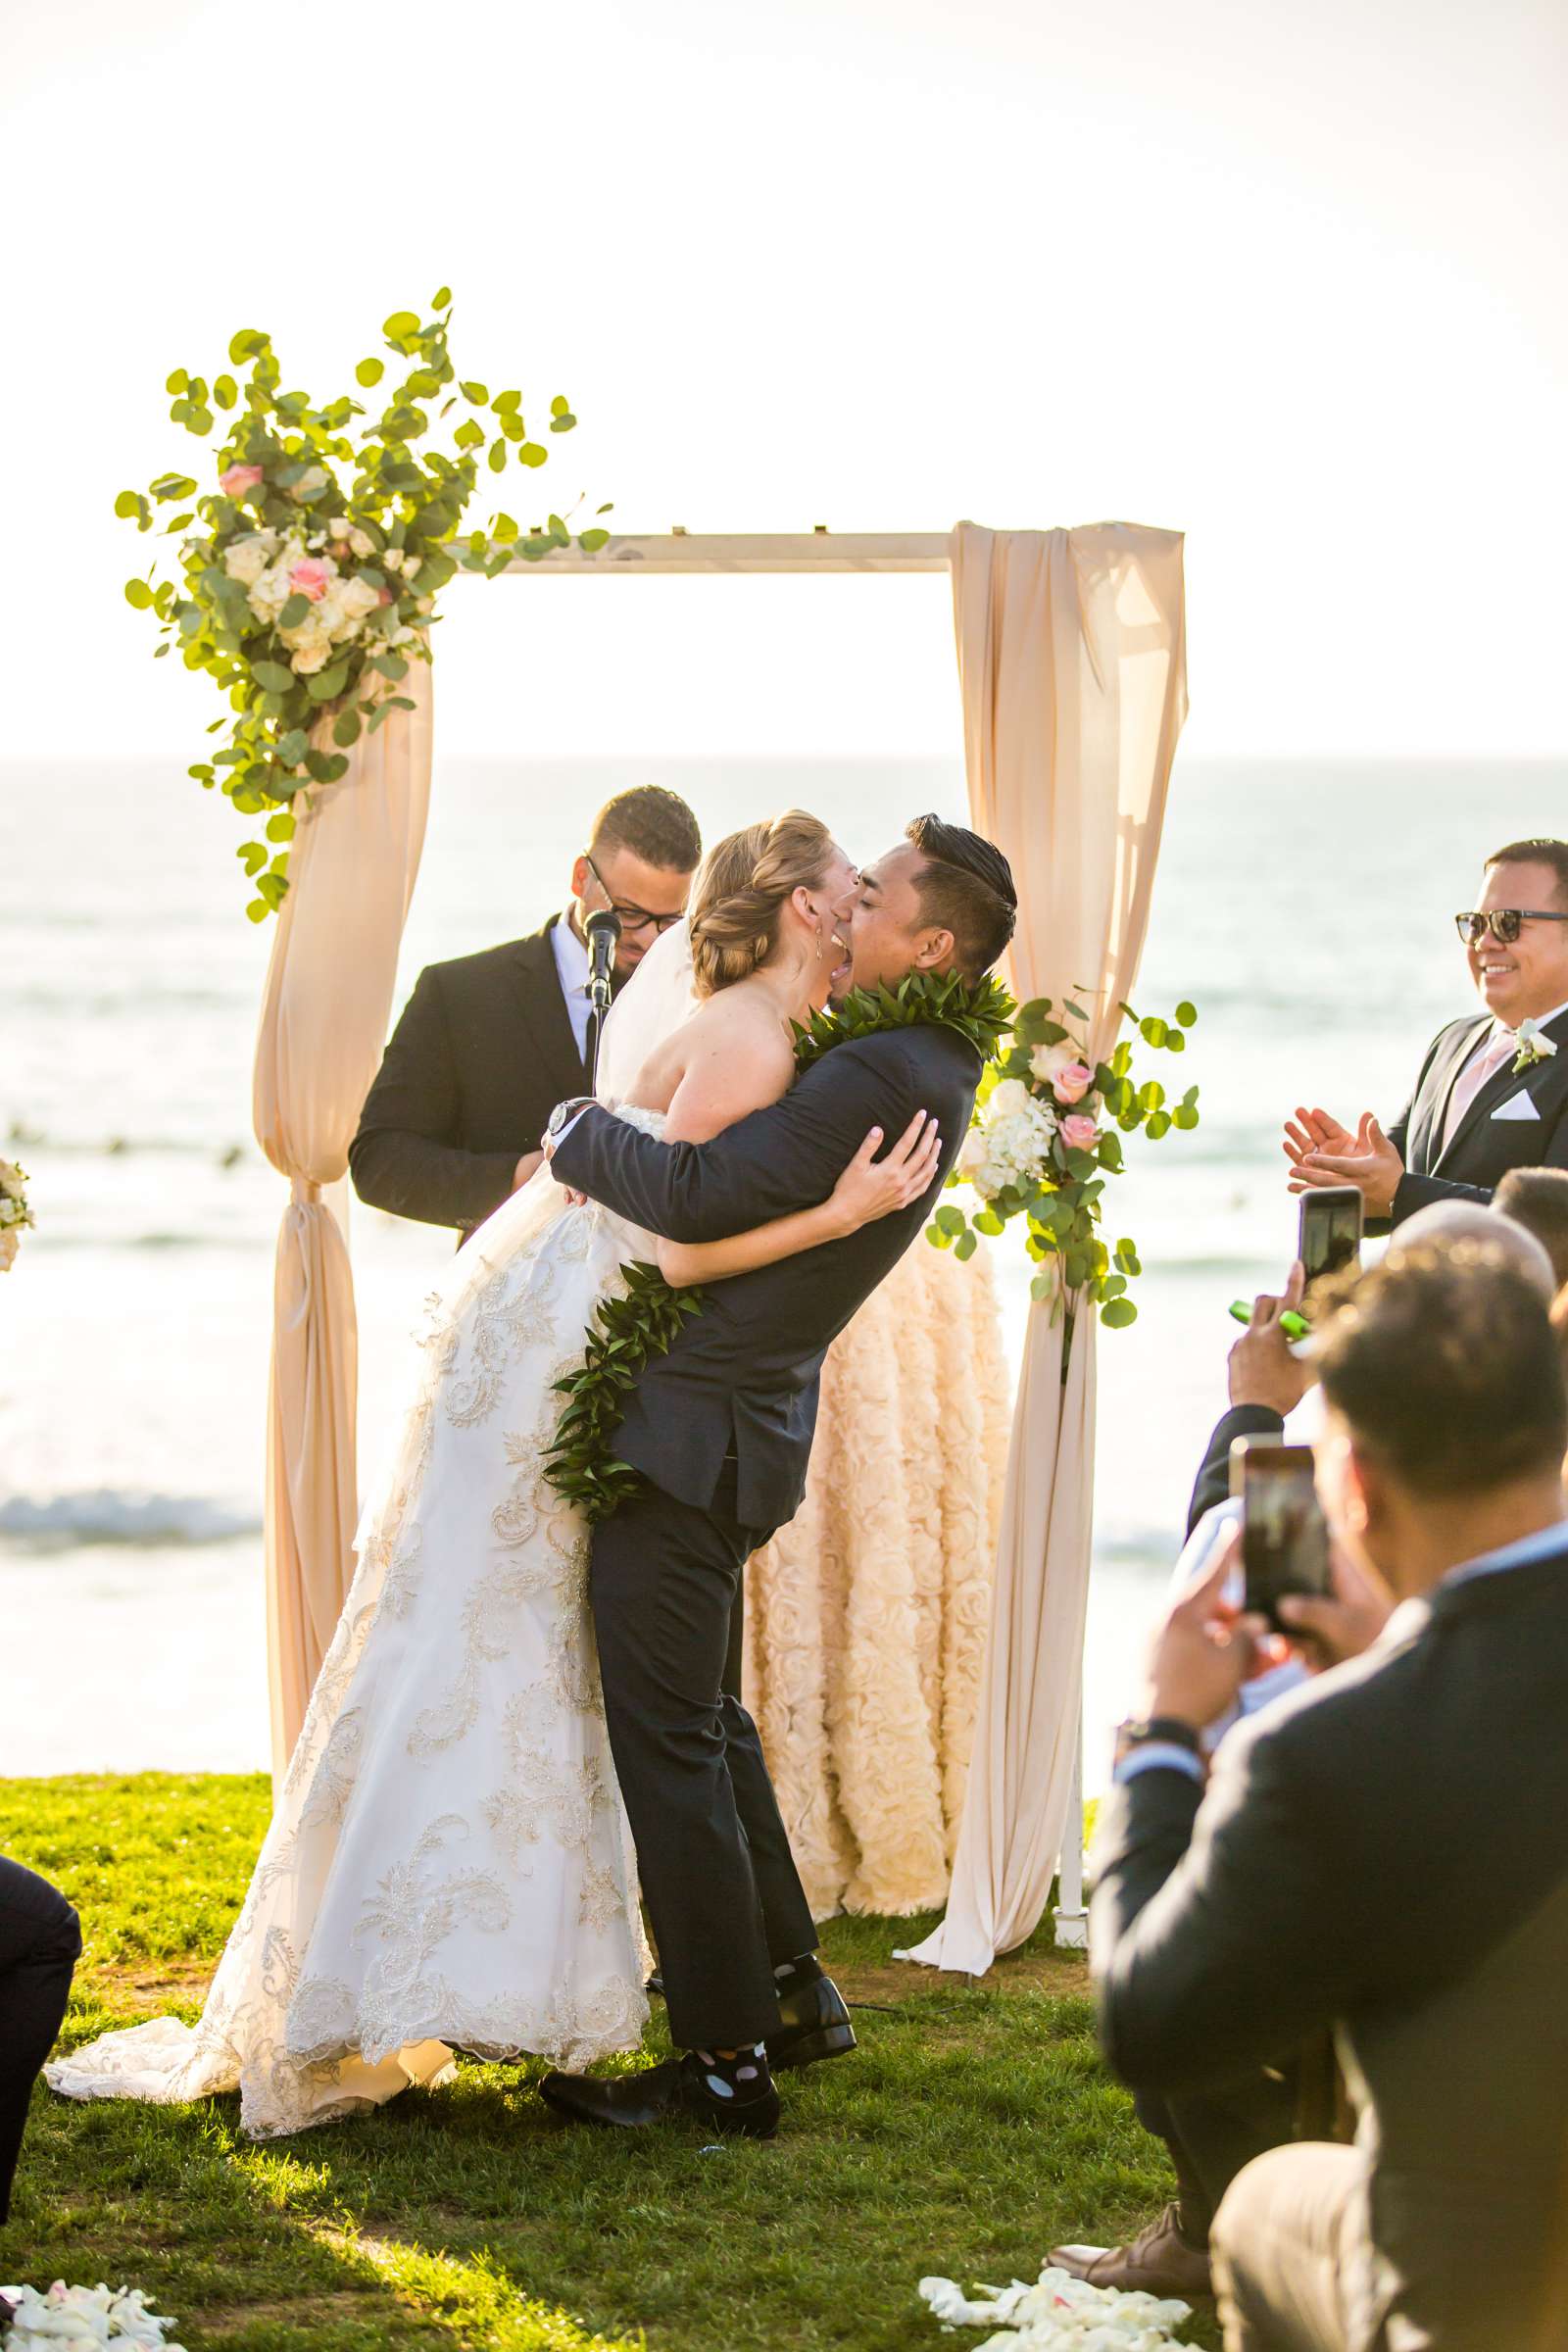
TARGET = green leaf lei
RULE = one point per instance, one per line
(980, 1010)
(640, 1321)
(633, 1325)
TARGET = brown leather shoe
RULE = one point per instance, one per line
(1159, 2260)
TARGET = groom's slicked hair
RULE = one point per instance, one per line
(965, 887)
(655, 825)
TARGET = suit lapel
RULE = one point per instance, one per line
(543, 1011)
(1534, 1082)
(1426, 1141)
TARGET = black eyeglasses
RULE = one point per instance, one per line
(1504, 922)
(632, 918)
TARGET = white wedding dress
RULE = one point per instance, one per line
(449, 1862)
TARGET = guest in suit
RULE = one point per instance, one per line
(1376, 1852)
(1492, 1092)
(489, 1044)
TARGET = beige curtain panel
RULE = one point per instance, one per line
(324, 1022)
(1072, 666)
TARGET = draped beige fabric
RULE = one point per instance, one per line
(1072, 666)
(324, 1023)
(865, 1617)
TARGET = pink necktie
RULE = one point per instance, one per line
(1499, 1049)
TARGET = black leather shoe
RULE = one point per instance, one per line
(678, 2087)
(814, 2023)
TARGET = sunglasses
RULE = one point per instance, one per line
(632, 918)
(1504, 922)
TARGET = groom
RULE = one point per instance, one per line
(720, 1429)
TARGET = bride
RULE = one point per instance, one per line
(449, 1862)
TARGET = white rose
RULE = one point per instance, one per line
(338, 528)
(270, 592)
(311, 484)
(357, 598)
(403, 636)
(362, 543)
(248, 558)
(1047, 1060)
(310, 657)
(410, 565)
(392, 559)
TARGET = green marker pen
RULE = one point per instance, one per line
(1293, 1326)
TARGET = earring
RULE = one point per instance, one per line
(819, 939)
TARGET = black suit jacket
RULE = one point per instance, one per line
(1484, 1148)
(481, 1056)
(1385, 1849)
(1213, 1481)
(744, 1373)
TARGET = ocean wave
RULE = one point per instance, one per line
(114, 1515)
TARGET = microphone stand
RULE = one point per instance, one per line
(603, 928)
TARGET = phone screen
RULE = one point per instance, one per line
(1331, 1230)
(1284, 1538)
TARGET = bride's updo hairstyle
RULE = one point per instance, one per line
(746, 883)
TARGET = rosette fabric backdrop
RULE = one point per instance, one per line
(1073, 670)
(324, 1013)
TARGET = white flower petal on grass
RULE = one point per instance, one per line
(1060, 2314)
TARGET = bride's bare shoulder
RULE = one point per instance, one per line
(734, 1057)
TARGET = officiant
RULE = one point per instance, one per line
(489, 1044)
(1492, 1092)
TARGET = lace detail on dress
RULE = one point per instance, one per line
(460, 1693)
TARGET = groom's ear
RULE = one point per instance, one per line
(935, 952)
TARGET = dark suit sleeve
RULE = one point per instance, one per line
(1214, 1478)
(784, 1158)
(1220, 1931)
(404, 1157)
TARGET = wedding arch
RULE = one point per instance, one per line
(1072, 673)
(1072, 676)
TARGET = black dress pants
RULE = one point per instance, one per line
(723, 1893)
(1211, 2135)
(40, 1944)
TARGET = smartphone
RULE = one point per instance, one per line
(1284, 1536)
(1330, 1235)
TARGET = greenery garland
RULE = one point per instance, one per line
(310, 568)
(633, 1325)
(980, 1010)
(642, 1321)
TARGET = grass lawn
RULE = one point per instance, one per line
(974, 2128)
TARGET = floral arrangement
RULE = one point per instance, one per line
(1062, 2314)
(310, 579)
(83, 2316)
(1043, 1141)
(15, 1214)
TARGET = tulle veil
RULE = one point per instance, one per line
(658, 998)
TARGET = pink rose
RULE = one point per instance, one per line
(238, 479)
(1072, 1083)
(383, 596)
(1079, 1132)
(309, 578)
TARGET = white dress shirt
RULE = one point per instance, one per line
(571, 970)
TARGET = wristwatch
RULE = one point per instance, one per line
(1170, 1731)
(565, 1112)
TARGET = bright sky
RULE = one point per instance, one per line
(1288, 278)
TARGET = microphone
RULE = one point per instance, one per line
(602, 927)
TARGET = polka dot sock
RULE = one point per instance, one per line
(744, 2077)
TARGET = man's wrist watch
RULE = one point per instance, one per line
(1170, 1731)
(565, 1112)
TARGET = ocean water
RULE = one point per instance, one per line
(1305, 909)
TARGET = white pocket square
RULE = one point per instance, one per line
(1517, 1106)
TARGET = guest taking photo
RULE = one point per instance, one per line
(1385, 1850)
(1492, 1092)
(489, 1044)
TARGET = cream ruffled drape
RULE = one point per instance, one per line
(865, 1617)
(1073, 666)
(324, 1022)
